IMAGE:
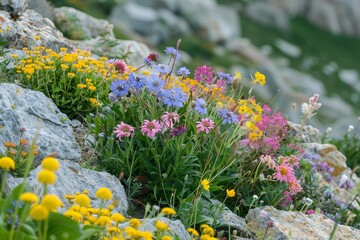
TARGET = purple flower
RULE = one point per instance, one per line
(227, 116)
(119, 88)
(173, 53)
(200, 106)
(225, 76)
(148, 62)
(136, 81)
(178, 130)
(174, 97)
(154, 83)
(162, 68)
(183, 71)
(204, 73)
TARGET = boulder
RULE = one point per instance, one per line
(296, 225)
(77, 25)
(32, 110)
(43, 7)
(71, 178)
(14, 7)
(29, 24)
(288, 48)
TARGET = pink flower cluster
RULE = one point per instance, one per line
(284, 170)
(123, 130)
(205, 124)
(204, 73)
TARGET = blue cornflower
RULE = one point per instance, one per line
(162, 68)
(136, 81)
(148, 62)
(227, 116)
(200, 106)
(154, 83)
(173, 52)
(225, 77)
(120, 88)
(174, 97)
(183, 71)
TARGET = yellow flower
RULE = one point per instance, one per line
(46, 176)
(111, 207)
(206, 184)
(50, 163)
(113, 230)
(117, 217)
(29, 197)
(83, 200)
(103, 221)
(74, 215)
(81, 86)
(207, 230)
(134, 222)
(51, 202)
(103, 194)
(166, 238)
(39, 212)
(37, 38)
(86, 192)
(7, 163)
(104, 212)
(92, 88)
(71, 75)
(161, 226)
(237, 76)
(230, 193)
(193, 232)
(168, 211)
(259, 78)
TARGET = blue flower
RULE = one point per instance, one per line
(227, 116)
(148, 62)
(225, 77)
(173, 52)
(173, 97)
(120, 88)
(183, 71)
(136, 81)
(200, 106)
(162, 68)
(154, 83)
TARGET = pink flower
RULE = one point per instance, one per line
(268, 160)
(170, 119)
(204, 73)
(150, 128)
(310, 211)
(120, 66)
(205, 124)
(284, 173)
(294, 187)
(287, 199)
(123, 130)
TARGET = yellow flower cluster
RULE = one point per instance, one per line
(47, 175)
(207, 233)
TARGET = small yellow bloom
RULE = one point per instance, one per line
(8, 29)
(111, 207)
(81, 86)
(161, 226)
(74, 215)
(230, 193)
(134, 222)
(50, 163)
(103, 221)
(37, 38)
(193, 232)
(71, 75)
(117, 217)
(205, 184)
(259, 78)
(168, 211)
(83, 200)
(166, 238)
(46, 176)
(103, 193)
(29, 197)
(51, 202)
(7, 163)
(39, 212)
(92, 88)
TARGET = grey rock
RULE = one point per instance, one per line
(308, 134)
(71, 178)
(77, 25)
(243, 48)
(177, 228)
(296, 225)
(27, 26)
(324, 14)
(288, 48)
(43, 7)
(138, 51)
(268, 14)
(14, 7)
(32, 110)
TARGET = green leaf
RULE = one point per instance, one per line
(62, 227)
(12, 196)
(89, 231)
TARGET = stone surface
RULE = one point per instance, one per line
(309, 134)
(27, 26)
(329, 153)
(71, 178)
(14, 7)
(138, 51)
(296, 225)
(77, 25)
(288, 48)
(43, 7)
(32, 110)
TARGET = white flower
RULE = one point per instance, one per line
(343, 180)
(329, 129)
(350, 128)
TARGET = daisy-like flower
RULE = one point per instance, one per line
(162, 68)
(170, 119)
(173, 53)
(123, 130)
(205, 184)
(205, 124)
(178, 130)
(259, 78)
(294, 187)
(183, 71)
(225, 77)
(228, 116)
(136, 81)
(119, 65)
(150, 128)
(120, 88)
(154, 83)
(200, 106)
(284, 173)
(173, 97)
